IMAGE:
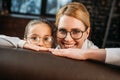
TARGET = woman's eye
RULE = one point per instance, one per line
(62, 31)
(76, 31)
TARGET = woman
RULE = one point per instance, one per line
(73, 28)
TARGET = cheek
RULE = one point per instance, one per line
(58, 40)
(80, 43)
(49, 46)
(85, 36)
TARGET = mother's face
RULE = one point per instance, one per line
(72, 27)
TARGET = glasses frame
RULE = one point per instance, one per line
(71, 34)
(37, 42)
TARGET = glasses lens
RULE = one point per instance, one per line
(76, 34)
(47, 40)
(61, 33)
(34, 39)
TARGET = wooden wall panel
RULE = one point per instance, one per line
(13, 26)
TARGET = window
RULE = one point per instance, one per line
(53, 5)
(26, 6)
(35, 7)
(0, 5)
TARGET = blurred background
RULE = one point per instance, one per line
(105, 17)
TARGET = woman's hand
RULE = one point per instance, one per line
(81, 54)
(70, 53)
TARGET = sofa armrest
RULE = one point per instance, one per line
(20, 64)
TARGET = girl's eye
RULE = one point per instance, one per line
(48, 39)
(34, 38)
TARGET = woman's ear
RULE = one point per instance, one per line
(87, 32)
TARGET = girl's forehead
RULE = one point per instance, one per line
(41, 29)
(40, 25)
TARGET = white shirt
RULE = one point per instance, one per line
(113, 56)
(14, 42)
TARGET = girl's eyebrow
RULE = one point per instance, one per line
(47, 35)
(34, 34)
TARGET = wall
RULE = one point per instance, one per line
(13, 26)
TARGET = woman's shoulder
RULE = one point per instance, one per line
(89, 44)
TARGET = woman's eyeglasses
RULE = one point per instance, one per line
(75, 33)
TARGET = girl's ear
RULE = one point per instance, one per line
(25, 39)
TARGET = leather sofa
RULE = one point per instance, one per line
(20, 64)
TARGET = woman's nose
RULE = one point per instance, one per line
(68, 37)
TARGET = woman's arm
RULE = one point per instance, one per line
(110, 56)
(81, 54)
(113, 56)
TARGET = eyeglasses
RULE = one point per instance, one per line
(35, 39)
(75, 33)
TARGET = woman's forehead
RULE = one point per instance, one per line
(70, 22)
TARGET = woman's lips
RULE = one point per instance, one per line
(69, 45)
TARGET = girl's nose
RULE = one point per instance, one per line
(41, 43)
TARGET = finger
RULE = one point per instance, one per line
(58, 52)
(34, 47)
(51, 49)
(31, 47)
(43, 49)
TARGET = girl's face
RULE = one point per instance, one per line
(71, 32)
(40, 34)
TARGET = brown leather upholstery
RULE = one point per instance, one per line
(20, 64)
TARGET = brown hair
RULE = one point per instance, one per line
(76, 10)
